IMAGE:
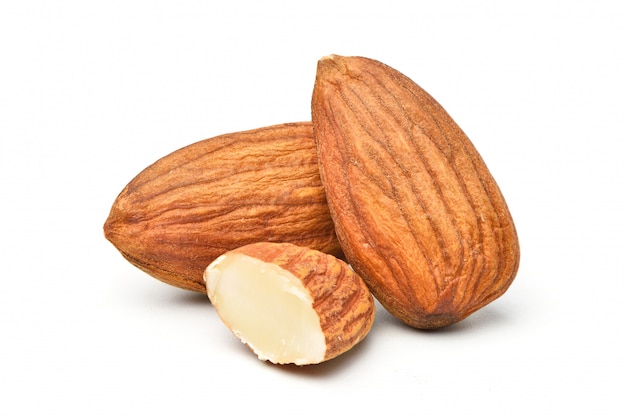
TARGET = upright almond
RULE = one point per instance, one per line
(417, 212)
(179, 214)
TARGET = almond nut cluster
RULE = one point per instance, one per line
(290, 229)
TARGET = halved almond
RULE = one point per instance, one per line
(290, 304)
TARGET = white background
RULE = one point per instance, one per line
(93, 92)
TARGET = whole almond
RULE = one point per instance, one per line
(188, 208)
(290, 304)
(417, 212)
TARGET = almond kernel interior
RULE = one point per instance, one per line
(267, 308)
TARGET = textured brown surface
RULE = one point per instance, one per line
(215, 195)
(341, 298)
(416, 210)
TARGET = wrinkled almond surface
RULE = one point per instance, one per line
(417, 212)
(191, 206)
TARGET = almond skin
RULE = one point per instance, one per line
(188, 208)
(290, 304)
(417, 212)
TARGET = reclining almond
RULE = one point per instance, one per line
(191, 206)
(417, 212)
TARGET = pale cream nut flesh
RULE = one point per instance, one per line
(267, 308)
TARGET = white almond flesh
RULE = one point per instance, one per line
(289, 304)
(267, 308)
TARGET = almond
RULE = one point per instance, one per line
(188, 208)
(290, 304)
(417, 212)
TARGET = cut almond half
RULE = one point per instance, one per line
(290, 304)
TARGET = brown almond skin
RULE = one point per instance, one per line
(417, 212)
(341, 298)
(179, 214)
